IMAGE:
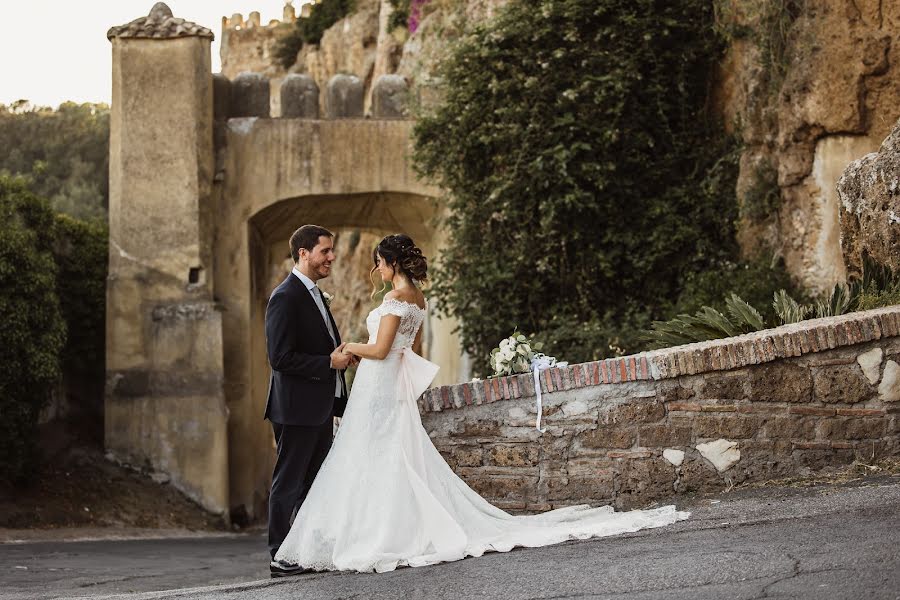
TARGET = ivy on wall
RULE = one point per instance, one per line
(587, 184)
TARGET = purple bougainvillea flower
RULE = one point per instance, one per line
(415, 14)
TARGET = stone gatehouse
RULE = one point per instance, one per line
(205, 190)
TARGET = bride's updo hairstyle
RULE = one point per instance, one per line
(401, 252)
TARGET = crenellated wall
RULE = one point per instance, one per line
(640, 429)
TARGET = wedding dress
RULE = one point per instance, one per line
(384, 497)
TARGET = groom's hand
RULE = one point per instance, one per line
(339, 360)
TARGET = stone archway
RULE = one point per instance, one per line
(277, 175)
(205, 189)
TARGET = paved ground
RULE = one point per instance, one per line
(824, 542)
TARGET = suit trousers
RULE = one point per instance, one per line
(300, 451)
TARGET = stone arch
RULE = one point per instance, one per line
(280, 174)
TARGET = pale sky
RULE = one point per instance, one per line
(51, 52)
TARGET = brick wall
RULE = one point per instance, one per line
(637, 429)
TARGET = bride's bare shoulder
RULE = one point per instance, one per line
(409, 295)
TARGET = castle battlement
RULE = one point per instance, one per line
(238, 22)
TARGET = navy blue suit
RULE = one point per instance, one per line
(301, 400)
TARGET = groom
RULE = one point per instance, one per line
(307, 386)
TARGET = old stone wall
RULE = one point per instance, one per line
(639, 429)
(807, 94)
(869, 191)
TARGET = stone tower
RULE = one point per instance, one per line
(165, 406)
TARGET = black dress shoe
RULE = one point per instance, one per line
(282, 568)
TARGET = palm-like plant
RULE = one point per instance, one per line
(878, 286)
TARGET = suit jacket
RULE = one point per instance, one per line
(301, 387)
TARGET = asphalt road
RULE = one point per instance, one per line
(825, 542)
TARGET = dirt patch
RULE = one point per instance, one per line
(79, 487)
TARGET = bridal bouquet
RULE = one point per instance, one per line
(516, 354)
(513, 355)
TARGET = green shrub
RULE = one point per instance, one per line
(309, 30)
(586, 181)
(33, 331)
(81, 252)
(877, 287)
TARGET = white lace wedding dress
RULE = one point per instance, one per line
(384, 496)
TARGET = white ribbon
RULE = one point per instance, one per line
(540, 363)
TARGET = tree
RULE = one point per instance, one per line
(63, 152)
(33, 331)
(585, 177)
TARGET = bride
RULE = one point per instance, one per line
(384, 497)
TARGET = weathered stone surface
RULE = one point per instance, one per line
(784, 427)
(889, 388)
(640, 479)
(221, 97)
(390, 97)
(250, 95)
(675, 457)
(468, 456)
(837, 100)
(345, 95)
(781, 382)
(299, 97)
(724, 386)
(841, 383)
(870, 363)
(722, 454)
(507, 455)
(870, 207)
(637, 411)
(731, 426)
(663, 434)
(849, 428)
(608, 437)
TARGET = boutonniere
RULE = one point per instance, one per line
(327, 298)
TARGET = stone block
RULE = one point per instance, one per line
(722, 454)
(725, 386)
(870, 363)
(781, 382)
(638, 411)
(664, 434)
(390, 97)
(607, 436)
(641, 481)
(344, 97)
(674, 391)
(477, 429)
(250, 95)
(299, 97)
(675, 457)
(512, 455)
(509, 487)
(698, 475)
(845, 384)
(788, 428)
(889, 388)
(730, 426)
(467, 456)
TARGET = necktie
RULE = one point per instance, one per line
(317, 297)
